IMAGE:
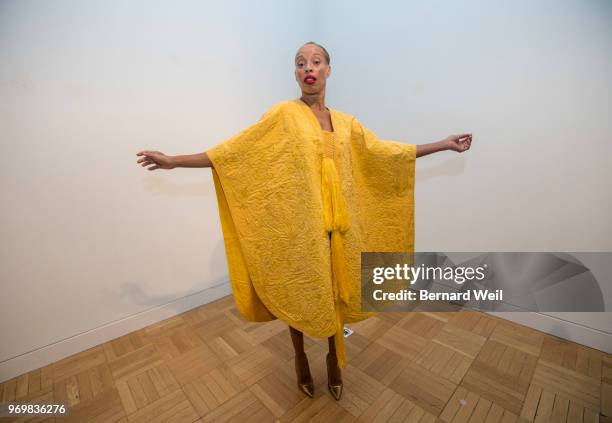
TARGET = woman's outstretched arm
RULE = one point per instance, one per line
(159, 160)
(459, 143)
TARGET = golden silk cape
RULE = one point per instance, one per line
(298, 205)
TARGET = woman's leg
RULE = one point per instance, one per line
(297, 338)
(302, 370)
(333, 371)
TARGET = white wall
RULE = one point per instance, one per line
(94, 245)
(89, 237)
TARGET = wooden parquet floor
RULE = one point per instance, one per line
(210, 365)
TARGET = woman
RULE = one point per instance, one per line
(301, 194)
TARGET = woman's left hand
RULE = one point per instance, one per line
(459, 142)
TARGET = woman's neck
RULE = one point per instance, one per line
(315, 101)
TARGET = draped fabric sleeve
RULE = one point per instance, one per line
(386, 156)
(233, 164)
(384, 174)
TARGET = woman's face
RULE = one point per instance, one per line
(311, 69)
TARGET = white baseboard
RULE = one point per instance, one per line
(565, 329)
(50, 353)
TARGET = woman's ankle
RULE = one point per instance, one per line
(333, 371)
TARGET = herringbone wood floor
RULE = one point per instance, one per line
(210, 365)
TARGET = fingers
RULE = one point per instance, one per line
(464, 142)
(153, 167)
(146, 152)
(147, 159)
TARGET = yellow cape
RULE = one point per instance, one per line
(298, 205)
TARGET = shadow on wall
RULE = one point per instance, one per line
(138, 292)
(451, 167)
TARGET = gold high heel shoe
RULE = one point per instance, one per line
(308, 387)
(335, 390)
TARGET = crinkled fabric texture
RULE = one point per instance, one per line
(268, 184)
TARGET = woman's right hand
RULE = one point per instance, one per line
(156, 158)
